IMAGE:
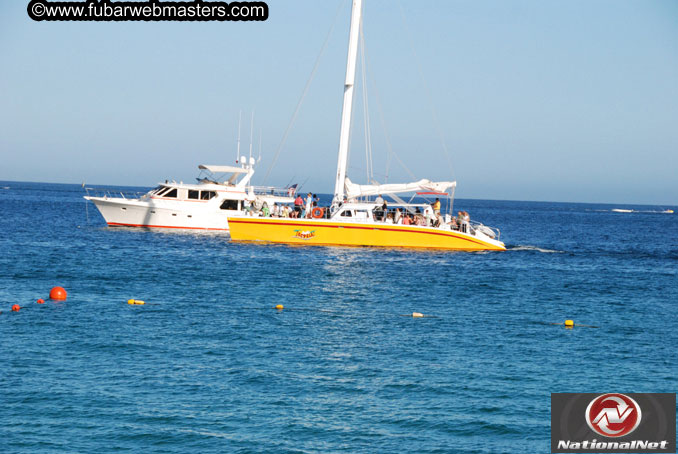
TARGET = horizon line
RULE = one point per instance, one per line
(661, 205)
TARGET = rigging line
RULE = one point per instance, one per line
(426, 89)
(366, 110)
(389, 147)
(304, 92)
(391, 153)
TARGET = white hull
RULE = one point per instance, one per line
(203, 206)
(163, 214)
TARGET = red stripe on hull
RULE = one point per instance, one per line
(118, 224)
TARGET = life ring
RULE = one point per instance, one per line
(317, 212)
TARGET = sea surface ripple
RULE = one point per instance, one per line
(207, 365)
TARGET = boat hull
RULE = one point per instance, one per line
(321, 232)
(134, 213)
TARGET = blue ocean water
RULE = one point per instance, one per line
(207, 365)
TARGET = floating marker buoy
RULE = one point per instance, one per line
(417, 315)
(16, 308)
(57, 293)
(40, 301)
(569, 323)
(280, 307)
(136, 302)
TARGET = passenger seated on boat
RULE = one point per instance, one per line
(397, 216)
(438, 221)
(265, 212)
(418, 218)
(428, 216)
(389, 218)
(453, 224)
(285, 212)
(407, 220)
(378, 213)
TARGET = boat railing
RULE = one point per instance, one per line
(485, 229)
(273, 191)
(113, 193)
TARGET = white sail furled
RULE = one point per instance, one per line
(364, 190)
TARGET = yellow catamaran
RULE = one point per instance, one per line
(351, 220)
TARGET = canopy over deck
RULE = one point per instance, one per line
(356, 190)
(222, 169)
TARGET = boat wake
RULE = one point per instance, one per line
(533, 249)
(619, 210)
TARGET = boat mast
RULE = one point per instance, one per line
(345, 133)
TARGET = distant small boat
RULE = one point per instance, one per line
(621, 210)
(668, 211)
(5, 187)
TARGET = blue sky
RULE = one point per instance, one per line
(561, 101)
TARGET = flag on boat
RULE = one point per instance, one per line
(292, 189)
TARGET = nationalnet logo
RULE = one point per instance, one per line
(613, 422)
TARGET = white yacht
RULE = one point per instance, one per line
(221, 192)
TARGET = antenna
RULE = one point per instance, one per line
(237, 152)
(261, 133)
(251, 135)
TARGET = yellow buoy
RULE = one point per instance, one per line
(569, 323)
(136, 302)
(417, 314)
(280, 307)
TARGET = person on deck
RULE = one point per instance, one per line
(298, 203)
(398, 216)
(436, 206)
(379, 208)
(463, 220)
(309, 204)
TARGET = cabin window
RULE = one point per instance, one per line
(194, 195)
(229, 205)
(157, 190)
(347, 214)
(207, 195)
(162, 190)
(361, 214)
(171, 193)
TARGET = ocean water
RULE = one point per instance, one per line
(208, 366)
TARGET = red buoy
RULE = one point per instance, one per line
(15, 308)
(40, 301)
(57, 293)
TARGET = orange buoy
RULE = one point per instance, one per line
(57, 293)
(40, 301)
(15, 308)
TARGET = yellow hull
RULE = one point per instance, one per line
(322, 232)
